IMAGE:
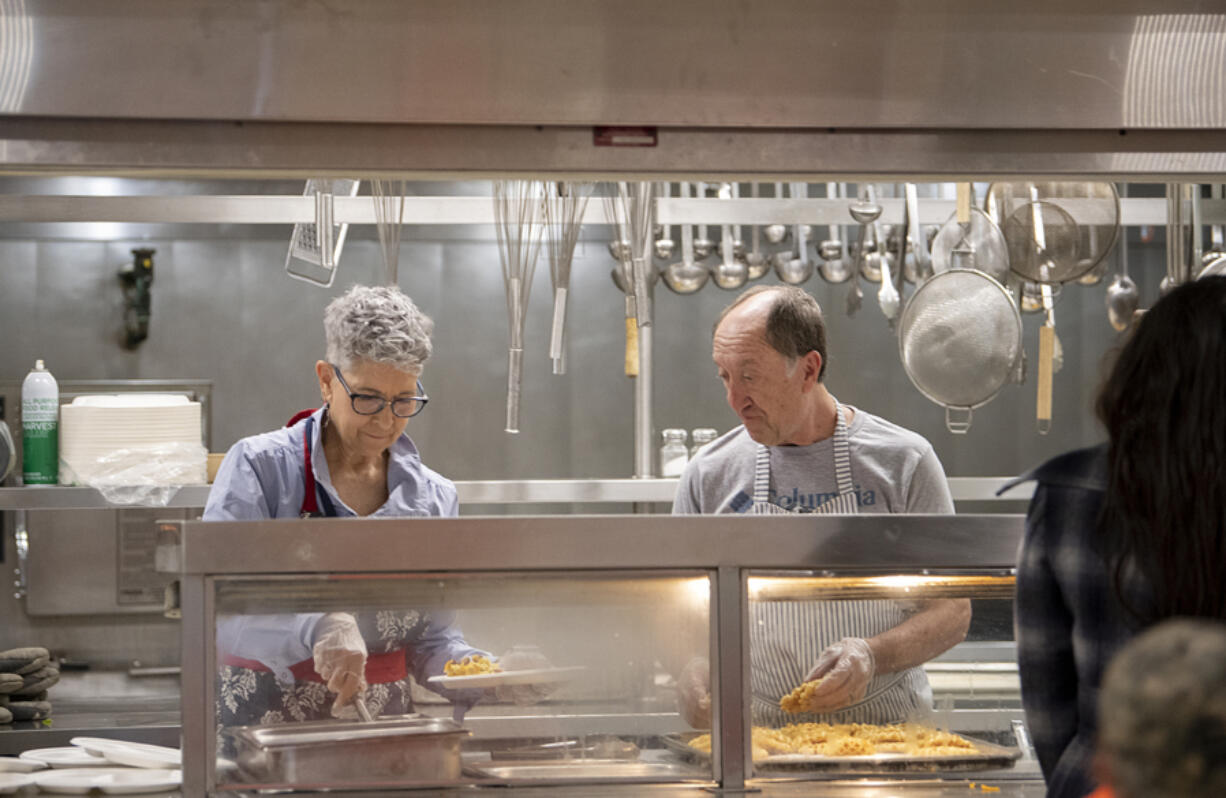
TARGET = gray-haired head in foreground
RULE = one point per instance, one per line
(794, 324)
(1162, 712)
(380, 324)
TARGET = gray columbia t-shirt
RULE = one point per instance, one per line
(893, 469)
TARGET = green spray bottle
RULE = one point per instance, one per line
(40, 422)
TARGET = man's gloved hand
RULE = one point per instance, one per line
(694, 693)
(340, 657)
(845, 669)
(522, 658)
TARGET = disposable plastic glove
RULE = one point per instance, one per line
(694, 693)
(522, 658)
(845, 669)
(340, 657)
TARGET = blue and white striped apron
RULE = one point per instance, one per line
(786, 637)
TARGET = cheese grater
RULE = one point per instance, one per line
(315, 247)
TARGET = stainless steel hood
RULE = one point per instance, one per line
(877, 87)
(943, 64)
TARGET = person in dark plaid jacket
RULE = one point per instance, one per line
(1123, 535)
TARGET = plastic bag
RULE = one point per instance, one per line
(149, 474)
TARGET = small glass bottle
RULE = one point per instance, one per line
(701, 436)
(673, 454)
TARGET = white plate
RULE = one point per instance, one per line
(137, 755)
(12, 782)
(66, 757)
(112, 781)
(531, 676)
(12, 764)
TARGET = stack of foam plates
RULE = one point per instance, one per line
(104, 426)
(95, 764)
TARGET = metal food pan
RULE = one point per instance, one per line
(988, 756)
(395, 748)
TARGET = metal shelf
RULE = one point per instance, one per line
(526, 491)
(447, 210)
(54, 497)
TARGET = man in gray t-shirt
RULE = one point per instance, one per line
(799, 450)
(894, 471)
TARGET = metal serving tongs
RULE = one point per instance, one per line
(359, 703)
(1050, 356)
(962, 256)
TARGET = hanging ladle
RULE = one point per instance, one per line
(1123, 298)
(729, 273)
(755, 261)
(796, 270)
(834, 267)
(703, 246)
(685, 276)
(864, 210)
(664, 245)
(776, 232)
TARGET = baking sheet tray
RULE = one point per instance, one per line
(587, 769)
(500, 678)
(990, 756)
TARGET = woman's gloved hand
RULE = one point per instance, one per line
(340, 657)
(522, 658)
(694, 693)
(845, 668)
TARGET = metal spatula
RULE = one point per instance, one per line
(315, 248)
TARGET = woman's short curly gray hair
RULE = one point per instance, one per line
(379, 324)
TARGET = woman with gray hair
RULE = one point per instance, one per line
(349, 458)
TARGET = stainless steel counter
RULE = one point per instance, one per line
(863, 788)
(962, 788)
(103, 703)
(146, 709)
(524, 491)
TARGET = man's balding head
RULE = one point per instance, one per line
(791, 320)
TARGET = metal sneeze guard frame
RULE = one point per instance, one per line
(727, 547)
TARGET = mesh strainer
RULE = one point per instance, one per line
(959, 339)
(1043, 242)
(976, 244)
(1094, 207)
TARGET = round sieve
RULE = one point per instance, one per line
(1043, 242)
(976, 244)
(959, 340)
(1094, 207)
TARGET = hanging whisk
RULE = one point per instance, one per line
(519, 219)
(565, 205)
(388, 197)
(630, 208)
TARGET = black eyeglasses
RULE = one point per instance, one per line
(368, 404)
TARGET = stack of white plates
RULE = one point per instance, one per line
(92, 764)
(98, 426)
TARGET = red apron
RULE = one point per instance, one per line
(380, 668)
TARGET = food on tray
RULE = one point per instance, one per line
(798, 699)
(471, 666)
(850, 739)
(849, 746)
